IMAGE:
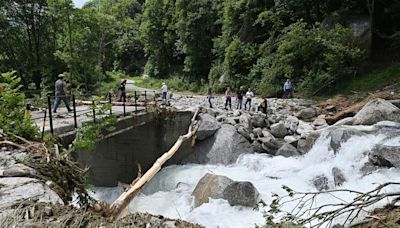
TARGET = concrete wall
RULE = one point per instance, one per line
(114, 158)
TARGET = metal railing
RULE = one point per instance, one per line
(48, 112)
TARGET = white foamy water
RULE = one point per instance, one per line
(169, 193)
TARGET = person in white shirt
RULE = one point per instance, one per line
(248, 96)
(164, 90)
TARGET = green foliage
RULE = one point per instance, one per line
(14, 118)
(90, 132)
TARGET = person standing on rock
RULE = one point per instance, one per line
(249, 95)
(209, 96)
(239, 97)
(164, 90)
(228, 96)
(61, 93)
(123, 91)
(287, 88)
(263, 105)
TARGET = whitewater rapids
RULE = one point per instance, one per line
(169, 193)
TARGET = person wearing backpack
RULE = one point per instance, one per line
(263, 105)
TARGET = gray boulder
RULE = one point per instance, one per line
(15, 190)
(321, 183)
(208, 126)
(245, 121)
(291, 123)
(210, 186)
(279, 130)
(375, 111)
(338, 176)
(257, 147)
(242, 194)
(345, 121)
(259, 120)
(305, 145)
(340, 135)
(287, 150)
(241, 130)
(19, 170)
(269, 143)
(231, 120)
(224, 147)
(319, 122)
(304, 128)
(307, 114)
(385, 156)
(258, 132)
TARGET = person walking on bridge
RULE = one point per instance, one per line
(123, 91)
(61, 93)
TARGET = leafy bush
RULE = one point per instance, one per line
(14, 118)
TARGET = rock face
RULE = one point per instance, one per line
(210, 186)
(375, 111)
(287, 150)
(385, 156)
(208, 126)
(305, 145)
(338, 176)
(245, 121)
(279, 130)
(339, 135)
(19, 170)
(269, 143)
(307, 114)
(15, 190)
(224, 147)
(241, 194)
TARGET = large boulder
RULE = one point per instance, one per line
(385, 156)
(15, 190)
(208, 126)
(269, 143)
(345, 121)
(243, 131)
(210, 186)
(291, 123)
(224, 147)
(279, 130)
(245, 121)
(258, 132)
(307, 114)
(375, 111)
(242, 194)
(340, 135)
(19, 170)
(305, 145)
(259, 120)
(287, 150)
(304, 128)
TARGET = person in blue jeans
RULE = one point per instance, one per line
(61, 93)
(287, 87)
(209, 96)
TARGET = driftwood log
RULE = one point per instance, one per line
(118, 208)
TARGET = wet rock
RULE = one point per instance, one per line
(375, 111)
(224, 147)
(258, 120)
(257, 147)
(19, 170)
(210, 186)
(321, 183)
(258, 132)
(231, 120)
(305, 145)
(279, 130)
(208, 126)
(269, 143)
(345, 121)
(242, 194)
(338, 176)
(385, 156)
(368, 168)
(287, 150)
(245, 121)
(340, 135)
(307, 114)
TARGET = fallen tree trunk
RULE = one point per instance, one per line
(127, 196)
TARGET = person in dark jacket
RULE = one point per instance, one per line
(123, 91)
(263, 105)
(239, 97)
(209, 96)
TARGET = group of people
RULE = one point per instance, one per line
(287, 88)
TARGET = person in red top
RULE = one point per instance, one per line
(228, 96)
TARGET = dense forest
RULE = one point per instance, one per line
(257, 43)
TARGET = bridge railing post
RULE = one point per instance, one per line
(109, 101)
(50, 114)
(145, 101)
(94, 112)
(135, 103)
(74, 107)
(123, 105)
